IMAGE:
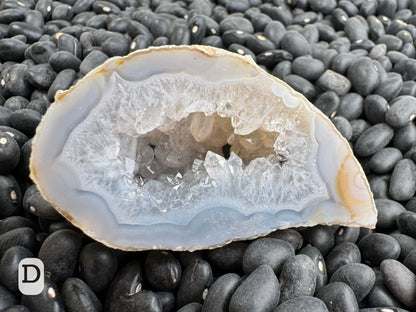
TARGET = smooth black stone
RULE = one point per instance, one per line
(295, 43)
(272, 57)
(350, 106)
(411, 204)
(162, 270)
(40, 51)
(105, 7)
(12, 50)
(279, 12)
(213, 41)
(213, 28)
(326, 32)
(220, 292)
(259, 291)
(377, 247)
(384, 160)
(400, 281)
(387, 8)
(97, 21)
(191, 307)
(8, 16)
(31, 32)
(378, 51)
(91, 61)
(346, 234)
(340, 44)
(332, 81)
(393, 43)
(388, 211)
(9, 266)
(240, 49)
(401, 111)
(260, 22)
(409, 50)
(61, 60)
(305, 18)
(160, 41)
(14, 133)
(271, 251)
(349, 7)
(59, 254)
(61, 225)
(289, 235)
(321, 237)
(117, 46)
(354, 30)
(25, 120)
(135, 28)
(302, 303)
(16, 102)
(363, 76)
(41, 76)
(77, 296)
(298, 277)
(311, 34)
(403, 180)
(365, 45)
(167, 300)
(406, 68)
(373, 139)
(237, 6)
(342, 62)
(17, 237)
(358, 276)
(198, 28)
(49, 299)
(343, 126)
(308, 68)
(171, 8)
(62, 12)
(7, 298)
(82, 5)
(234, 36)
(338, 296)
(236, 23)
(405, 137)
(375, 108)
(228, 258)
(407, 244)
(396, 56)
(9, 158)
(259, 44)
(186, 258)
(70, 44)
(204, 7)
(390, 87)
(141, 42)
(368, 8)
(301, 85)
(318, 259)
(5, 114)
(358, 127)
(322, 6)
(340, 255)
(126, 282)
(97, 265)
(39, 105)
(180, 34)
(117, 25)
(196, 277)
(15, 82)
(379, 185)
(406, 222)
(34, 17)
(14, 222)
(339, 18)
(62, 82)
(410, 261)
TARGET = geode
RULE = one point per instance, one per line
(192, 147)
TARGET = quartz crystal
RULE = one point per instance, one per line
(192, 147)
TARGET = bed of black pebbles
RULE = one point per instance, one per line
(355, 60)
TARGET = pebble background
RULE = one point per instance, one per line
(355, 60)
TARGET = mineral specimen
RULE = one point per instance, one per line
(192, 147)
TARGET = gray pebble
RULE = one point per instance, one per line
(41, 76)
(384, 160)
(388, 210)
(289, 235)
(402, 110)
(307, 67)
(295, 43)
(332, 81)
(260, 291)
(342, 254)
(375, 108)
(407, 244)
(94, 59)
(220, 292)
(343, 126)
(338, 297)
(405, 137)
(390, 87)
(354, 29)
(303, 303)
(358, 127)
(363, 76)
(373, 139)
(377, 247)
(301, 85)
(62, 82)
(379, 185)
(351, 106)
(318, 259)
(328, 103)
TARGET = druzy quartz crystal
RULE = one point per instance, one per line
(193, 147)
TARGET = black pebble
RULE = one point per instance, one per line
(363, 76)
(14, 222)
(274, 31)
(393, 43)
(377, 247)
(295, 43)
(12, 50)
(346, 234)
(62, 12)
(61, 60)
(117, 46)
(407, 244)
(97, 265)
(400, 280)
(31, 32)
(338, 296)
(343, 126)
(375, 108)
(318, 259)
(271, 251)
(373, 139)
(5, 114)
(410, 261)
(403, 180)
(351, 106)
(9, 266)
(289, 235)
(342, 254)
(59, 253)
(228, 258)
(196, 278)
(405, 137)
(358, 276)
(179, 34)
(342, 62)
(390, 87)
(308, 68)
(77, 296)
(9, 153)
(301, 85)
(15, 82)
(10, 196)
(388, 211)
(62, 82)
(17, 237)
(332, 81)
(259, 291)
(220, 292)
(25, 120)
(236, 23)
(298, 277)
(162, 270)
(406, 222)
(384, 160)
(321, 237)
(401, 111)
(91, 61)
(354, 29)
(41, 76)
(302, 303)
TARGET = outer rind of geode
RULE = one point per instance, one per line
(82, 184)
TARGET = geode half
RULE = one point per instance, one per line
(193, 147)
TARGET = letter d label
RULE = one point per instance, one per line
(31, 276)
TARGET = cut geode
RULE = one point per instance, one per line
(192, 147)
